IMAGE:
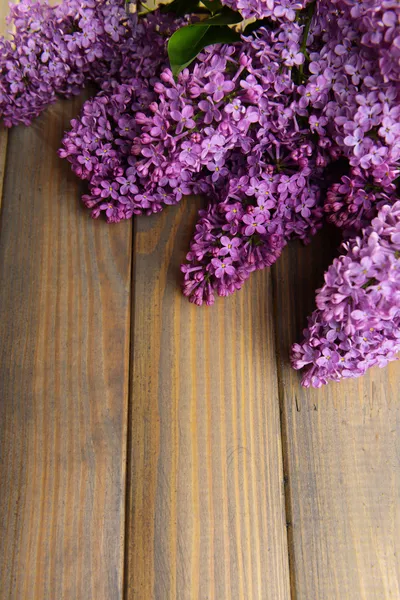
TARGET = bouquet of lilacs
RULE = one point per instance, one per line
(282, 113)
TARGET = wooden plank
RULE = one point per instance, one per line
(342, 458)
(64, 330)
(206, 506)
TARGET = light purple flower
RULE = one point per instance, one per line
(218, 169)
(254, 224)
(230, 247)
(218, 87)
(223, 267)
(184, 118)
(389, 130)
(292, 56)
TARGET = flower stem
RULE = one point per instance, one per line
(368, 283)
(303, 47)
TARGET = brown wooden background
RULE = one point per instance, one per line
(150, 449)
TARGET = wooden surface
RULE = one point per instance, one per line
(152, 450)
(64, 362)
(341, 458)
(206, 503)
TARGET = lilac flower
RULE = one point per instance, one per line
(276, 9)
(127, 185)
(110, 190)
(317, 124)
(190, 154)
(293, 56)
(103, 143)
(357, 322)
(218, 170)
(211, 111)
(390, 130)
(109, 209)
(184, 118)
(218, 87)
(230, 246)
(355, 138)
(86, 160)
(223, 267)
(251, 125)
(328, 359)
(213, 145)
(254, 224)
(44, 60)
(235, 109)
(233, 212)
(263, 204)
(226, 229)
(352, 203)
(114, 28)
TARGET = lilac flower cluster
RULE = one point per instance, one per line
(274, 9)
(378, 21)
(253, 125)
(352, 85)
(240, 113)
(357, 70)
(102, 143)
(54, 50)
(357, 322)
(248, 229)
(231, 117)
(352, 203)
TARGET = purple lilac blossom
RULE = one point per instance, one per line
(353, 202)
(217, 120)
(251, 226)
(357, 321)
(55, 50)
(252, 125)
(230, 115)
(274, 9)
(102, 144)
(351, 94)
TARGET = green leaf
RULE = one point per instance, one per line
(186, 43)
(180, 7)
(267, 23)
(212, 5)
(226, 16)
(222, 35)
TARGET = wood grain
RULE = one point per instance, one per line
(64, 330)
(342, 458)
(206, 503)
